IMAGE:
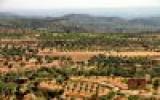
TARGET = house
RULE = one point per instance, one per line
(137, 83)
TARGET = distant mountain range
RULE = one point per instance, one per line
(106, 12)
(82, 23)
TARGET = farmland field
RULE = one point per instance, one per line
(85, 66)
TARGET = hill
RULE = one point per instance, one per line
(82, 23)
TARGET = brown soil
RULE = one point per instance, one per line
(82, 56)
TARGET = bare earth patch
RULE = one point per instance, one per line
(82, 56)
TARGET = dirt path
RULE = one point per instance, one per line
(78, 56)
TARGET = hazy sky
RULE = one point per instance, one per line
(9, 5)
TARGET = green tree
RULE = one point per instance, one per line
(133, 97)
(156, 84)
(109, 96)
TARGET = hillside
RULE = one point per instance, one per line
(82, 23)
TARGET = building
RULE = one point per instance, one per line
(137, 83)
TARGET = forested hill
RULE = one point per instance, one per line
(82, 23)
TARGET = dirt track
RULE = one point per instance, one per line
(78, 56)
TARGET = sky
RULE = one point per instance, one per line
(9, 5)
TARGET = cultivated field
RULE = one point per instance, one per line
(85, 66)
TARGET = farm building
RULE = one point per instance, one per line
(136, 83)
